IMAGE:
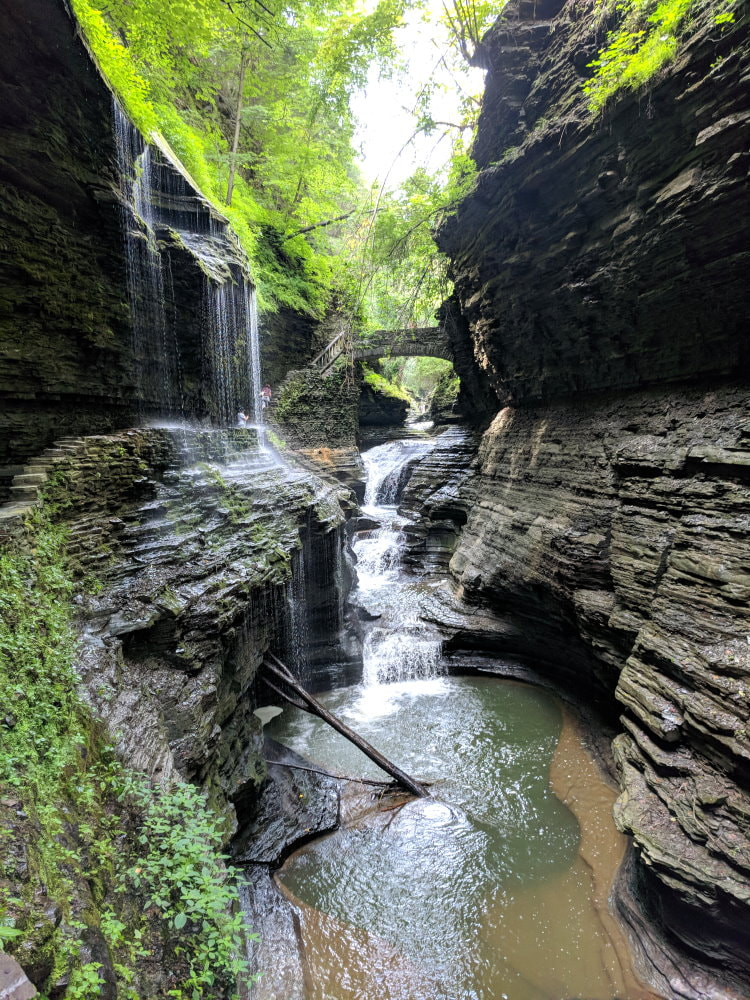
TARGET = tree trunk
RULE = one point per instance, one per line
(277, 668)
(237, 122)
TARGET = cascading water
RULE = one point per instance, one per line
(400, 646)
(154, 342)
(231, 319)
(164, 213)
(487, 889)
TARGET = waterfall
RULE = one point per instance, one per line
(400, 646)
(164, 214)
(388, 469)
(154, 339)
(231, 318)
(298, 640)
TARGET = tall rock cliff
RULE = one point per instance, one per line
(79, 352)
(599, 315)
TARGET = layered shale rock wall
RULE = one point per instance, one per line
(186, 552)
(601, 301)
(71, 360)
(186, 544)
(607, 253)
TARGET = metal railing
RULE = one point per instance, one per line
(331, 352)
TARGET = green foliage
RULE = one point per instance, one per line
(405, 275)
(36, 651)
(176, 69)
(445, 393)
(378, 383)
(646, 39)
(183, 875)
(467, 21)
(53, 760)
(85, 982)
(417, 376)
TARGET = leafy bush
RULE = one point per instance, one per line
(445, 393)
(645, 41)
(380, 384)
(164, 845)
(182, 873)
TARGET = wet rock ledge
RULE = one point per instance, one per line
(599, 326)
(185, 543)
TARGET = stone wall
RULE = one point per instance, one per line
(65, 359)
(600, 298)
(605, 253)
(183, 547)
(192, 551)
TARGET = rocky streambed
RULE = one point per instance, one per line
(497, 885)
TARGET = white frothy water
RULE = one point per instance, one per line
(387, 468)
(154, 340)
(400, 647)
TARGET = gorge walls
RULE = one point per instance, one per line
(599, 320)
(122, 287)
(605, 253)
(65, 359)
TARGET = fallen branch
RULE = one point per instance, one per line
(318, 225)
(287, 697)
(327, 774)
(273, 665)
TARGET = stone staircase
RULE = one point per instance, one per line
(24, 490)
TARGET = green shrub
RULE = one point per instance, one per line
(182, 873)
(645, 41)
(380, 384)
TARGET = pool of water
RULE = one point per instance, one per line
(481, 891)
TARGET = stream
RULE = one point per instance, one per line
(496, 886)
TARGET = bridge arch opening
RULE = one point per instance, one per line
(430, 384)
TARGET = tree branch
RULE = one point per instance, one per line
(318, 225)
(229, 4)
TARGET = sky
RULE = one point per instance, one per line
(385, 108)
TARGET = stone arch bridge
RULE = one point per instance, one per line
(428, 341)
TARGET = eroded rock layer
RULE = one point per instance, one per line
(187, 543)
(601, 294)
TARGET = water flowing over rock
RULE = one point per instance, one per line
(400, 645)
(164, 220)
(600, 295)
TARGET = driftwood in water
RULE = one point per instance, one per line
(274, 666)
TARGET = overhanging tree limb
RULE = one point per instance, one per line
(230, 5)
(237, 121)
